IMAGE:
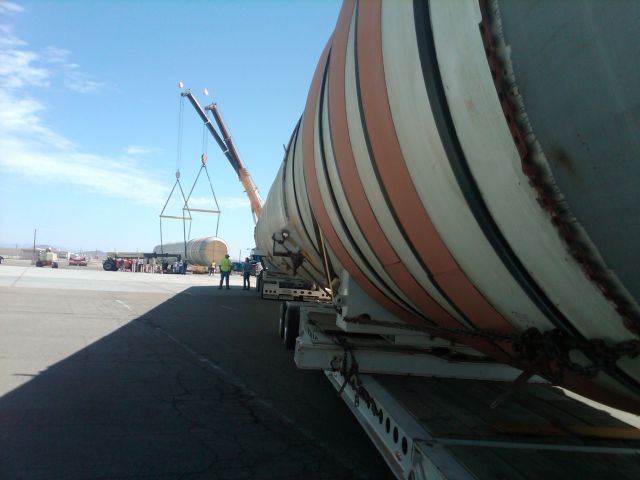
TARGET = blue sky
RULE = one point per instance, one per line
(89, 112)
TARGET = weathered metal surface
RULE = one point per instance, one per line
(417, 169)
(576, 67)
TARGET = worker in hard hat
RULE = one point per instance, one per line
(225, 270)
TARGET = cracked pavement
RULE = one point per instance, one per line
(142, 383)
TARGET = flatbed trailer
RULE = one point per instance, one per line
(437, 428)
(440, 415)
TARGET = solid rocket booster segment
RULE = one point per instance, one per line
(199, 251)
(473, 167)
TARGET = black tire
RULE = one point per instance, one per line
(54, 265)
(283, 312)
(291, 326)
(38, 263)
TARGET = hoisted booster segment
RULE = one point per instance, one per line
(470, 169)
(199, 252)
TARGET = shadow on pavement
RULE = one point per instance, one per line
(198, 387)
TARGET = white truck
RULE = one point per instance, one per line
(46, 257)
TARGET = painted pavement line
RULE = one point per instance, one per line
(19, 277)
(123, 304)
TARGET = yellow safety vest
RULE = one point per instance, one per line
(225, 265)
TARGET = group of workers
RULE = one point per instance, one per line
(129, 264)
(225, 271)
(178, 266)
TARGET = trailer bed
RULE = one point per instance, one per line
(440, 428)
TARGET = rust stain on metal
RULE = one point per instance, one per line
(561, 158)
(468, 103)
(536, 180)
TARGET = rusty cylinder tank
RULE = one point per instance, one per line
(200, 251)
(474, 166)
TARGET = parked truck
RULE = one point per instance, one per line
(46, 257)
(463, 185)
(77, 260)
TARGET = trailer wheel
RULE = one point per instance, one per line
(38, 263)
(291, 326)
(283, 312)
(109, 265)
(54, 265)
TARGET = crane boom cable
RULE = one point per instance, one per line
(203, 166)
(169, 197)
(215, 199)
(187, 93)
(180, 133)
(193, 187)
(204, 140)
(184, 221)
(227, 147)
(177, 183)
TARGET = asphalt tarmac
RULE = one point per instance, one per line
(124, 375)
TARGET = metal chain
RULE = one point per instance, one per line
(348, 368)
(549, 352)
(556, 348)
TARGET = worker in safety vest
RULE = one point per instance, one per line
(225, 270)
